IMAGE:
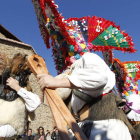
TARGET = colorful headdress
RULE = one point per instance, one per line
(73, 37)
(127, 75)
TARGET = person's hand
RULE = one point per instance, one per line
(13, 83)
(46, 80)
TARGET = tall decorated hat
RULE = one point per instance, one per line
(127, 76)
(71, 38)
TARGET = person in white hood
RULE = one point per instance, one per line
(90, 79)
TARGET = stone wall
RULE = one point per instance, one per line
(10, 49)
(44, 118)
(43, 114)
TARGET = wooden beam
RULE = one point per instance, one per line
(38, 66)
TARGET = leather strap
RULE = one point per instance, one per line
(84, 97)
(84, 113)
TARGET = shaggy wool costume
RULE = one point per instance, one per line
(64, 93)
(13, 113)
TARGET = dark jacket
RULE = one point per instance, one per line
(55, 136)
(28, 137)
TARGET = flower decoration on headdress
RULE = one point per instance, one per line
(72, 37)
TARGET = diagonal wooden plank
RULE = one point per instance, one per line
(38, 66)
(36, 69)
(61, 125)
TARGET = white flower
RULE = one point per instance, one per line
(105, 37)
(98, 28)
(99, 21)
(115, 31)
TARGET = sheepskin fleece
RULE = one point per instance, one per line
(13, 113)
(64, 93)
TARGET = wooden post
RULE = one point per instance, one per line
(38, 66)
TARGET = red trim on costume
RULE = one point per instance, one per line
(59, 22)
(123, 67)
(102, 95)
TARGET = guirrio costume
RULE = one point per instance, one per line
(127, 75)
(96, 80)
(13, 114)
(72, 41)
(15, 107)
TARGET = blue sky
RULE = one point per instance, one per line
(18, 17)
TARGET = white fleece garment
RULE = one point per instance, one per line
(12, 114)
